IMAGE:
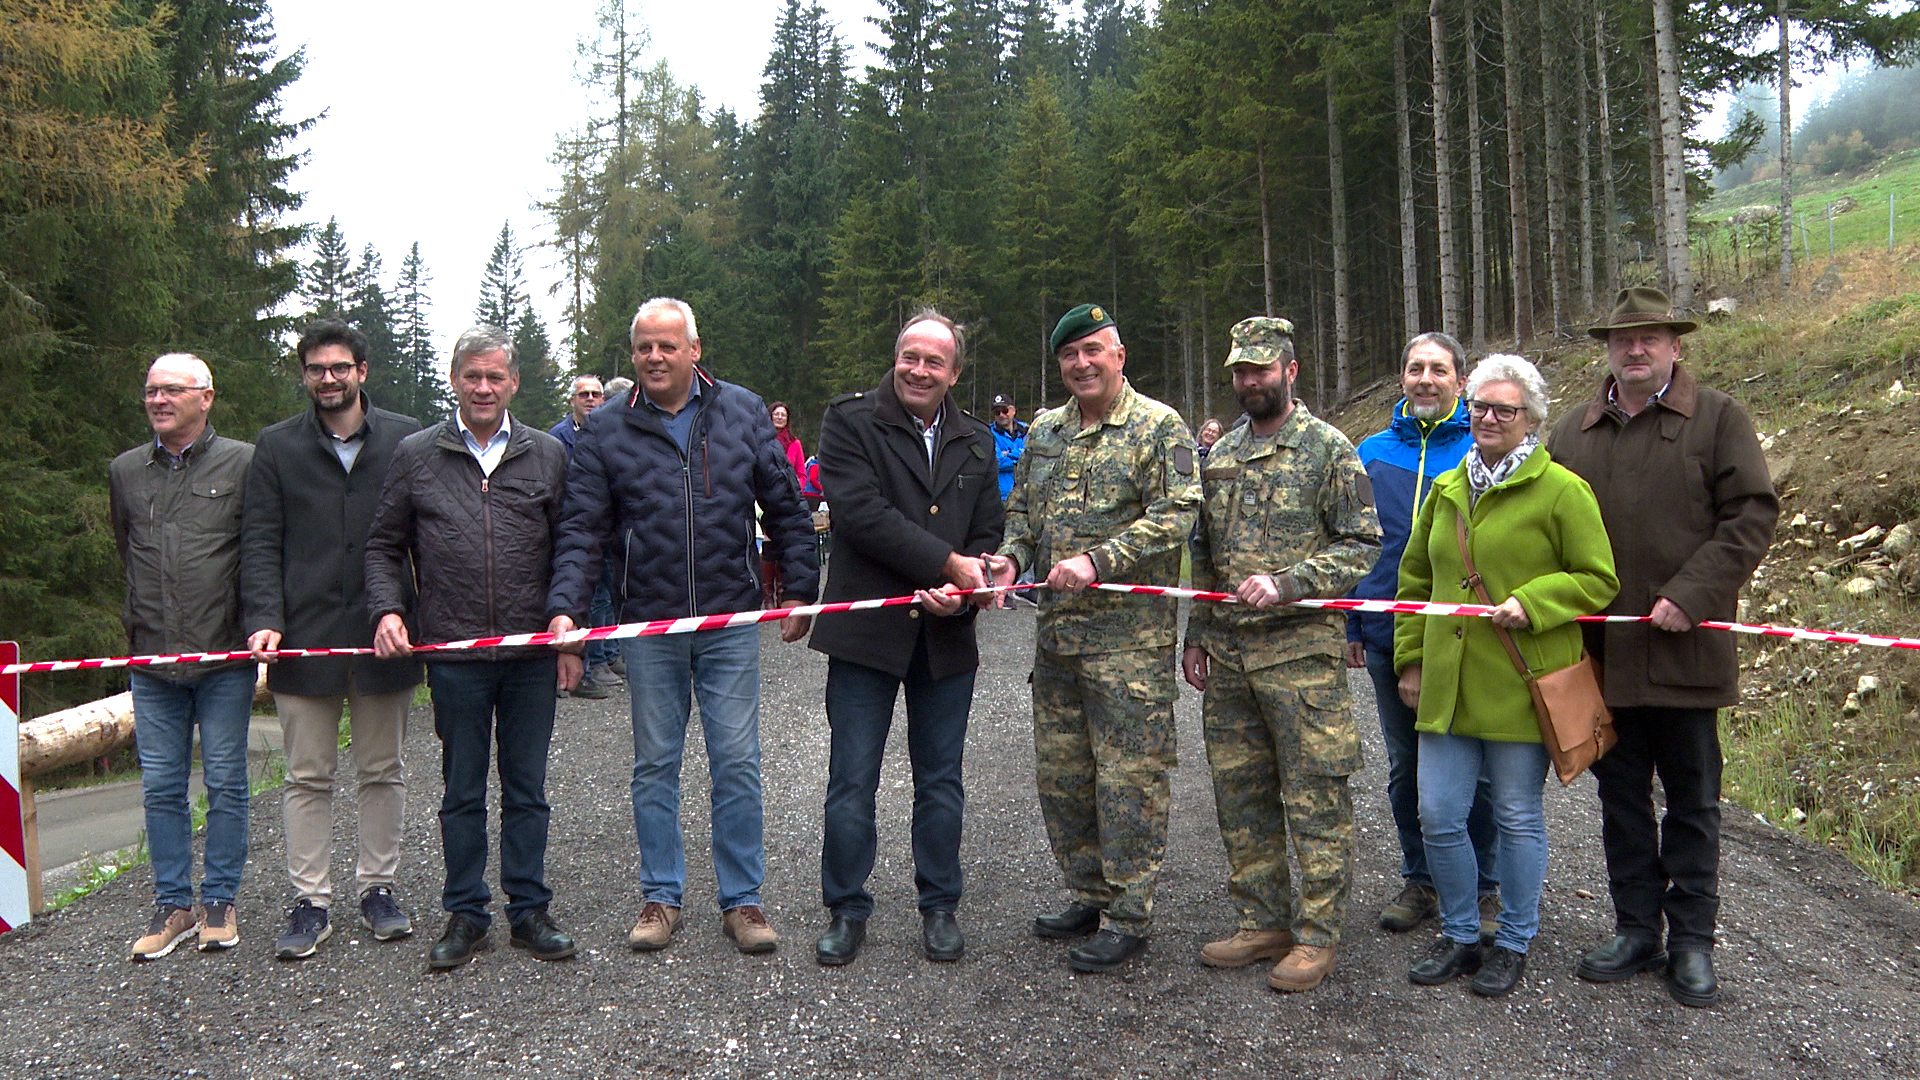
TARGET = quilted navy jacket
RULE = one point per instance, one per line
(681, 525)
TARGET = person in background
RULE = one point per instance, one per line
(1009, 440)
(1210, 433)
(1428, 436)
(176, 507)
(1541, 553)
(315, 480)
(601, 678)
(789, 442)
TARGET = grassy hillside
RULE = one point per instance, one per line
(1862, 228)
(1823, 742)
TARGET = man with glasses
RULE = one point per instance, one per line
(602, 676)
(310, 497)
(175, 504)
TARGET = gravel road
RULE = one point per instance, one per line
(1820, 967)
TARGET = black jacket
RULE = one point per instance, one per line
(480, 545)
(303, 552)
(177, 525)
(682, 524)
(895, 521)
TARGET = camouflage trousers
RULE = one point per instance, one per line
(1103, 741)
(1281, 742)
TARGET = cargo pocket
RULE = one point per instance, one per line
(1329, 743)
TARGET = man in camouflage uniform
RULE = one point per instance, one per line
(1106, 491)
(1288, 514)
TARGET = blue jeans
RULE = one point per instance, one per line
(479, 705)
(164, 716)
(1451, 768)
(1403, 784)
(602, 613)
(860, 712)
(723, 668)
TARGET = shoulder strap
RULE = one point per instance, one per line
(1480, 589)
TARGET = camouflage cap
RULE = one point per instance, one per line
(1078, 323)
(1260, 340)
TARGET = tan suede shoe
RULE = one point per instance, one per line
(655, 928)
(1247, 947)
(218, 927)
(747, 925)
(170, 926)
(1302, 969)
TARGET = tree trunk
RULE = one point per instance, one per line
(1554, 160)
(1610, 196)
(1409, 225)
(1450, 299)
(1786, 151)
(1205, 365)
(1585, 121)
(1656, 182)
(1266, 237)
(1666, 54)
(1337, 182)
(1517, 177)
(1476, 181)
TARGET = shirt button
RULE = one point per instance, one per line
(913, 613)
(933, 509)
(1459, 631)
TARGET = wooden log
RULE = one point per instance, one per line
(95, 729)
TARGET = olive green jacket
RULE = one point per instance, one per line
(1536, 536)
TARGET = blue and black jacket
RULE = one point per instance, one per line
(1402, 462)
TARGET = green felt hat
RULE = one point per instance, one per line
(1642, 306)
(1078, 323)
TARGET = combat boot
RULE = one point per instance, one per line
(1303, 969)
(1247, 947)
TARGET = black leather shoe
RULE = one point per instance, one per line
(1447, 961)
(841, 942)
(538, 935)
(940, 936)
(1108, 950)
(1500, 971)
(1078, 919)
(463, 938)
(1620, 959)
(1690, 979)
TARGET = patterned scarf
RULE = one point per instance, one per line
(1482, 477)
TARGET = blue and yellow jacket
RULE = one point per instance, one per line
(1402, 462)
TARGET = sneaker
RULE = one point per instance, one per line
(307, 927)
(218, 928)
(590, 688)
(1415, 904)
(618, 665)
(380, 914)
(1489, 917)
(747, 925)
(1303, 969)
(171, 925)
(657, 923)
(1247, 947)
(606, 676)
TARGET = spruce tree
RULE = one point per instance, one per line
(423, 391)
(327, 282)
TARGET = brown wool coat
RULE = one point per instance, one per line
(1688, 502)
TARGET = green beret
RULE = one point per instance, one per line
(1260, 340)
(1078, 323)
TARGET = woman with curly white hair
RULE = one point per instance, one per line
(1536, 539)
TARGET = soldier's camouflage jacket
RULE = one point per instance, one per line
(1297, 503)
(1123, 491)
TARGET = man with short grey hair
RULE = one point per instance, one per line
(175, 503)
(600, 679)
(469, 510)
(675, 477)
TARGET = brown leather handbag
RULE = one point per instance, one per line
(1576, 726)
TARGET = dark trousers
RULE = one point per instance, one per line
(860, 703)
(1671, 868)
(480, 707)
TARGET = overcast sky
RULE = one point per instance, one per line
(439, 116)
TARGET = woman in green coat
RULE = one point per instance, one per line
(1535, 533)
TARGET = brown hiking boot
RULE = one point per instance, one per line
(1411, 908)
(655, 928)
(748, 927)
(170, 926)
(1302, 969)
(1489, 917)
(1247, 947)
(218, 928)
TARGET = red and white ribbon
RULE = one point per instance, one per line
(697, 623)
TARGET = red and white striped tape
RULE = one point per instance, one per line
(14, 909)
(694, 624)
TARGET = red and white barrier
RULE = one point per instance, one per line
(694, 624)
(15, 908)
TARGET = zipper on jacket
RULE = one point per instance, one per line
(486, 525)
(686, 481)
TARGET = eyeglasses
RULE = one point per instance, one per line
(1502, 413)
(155, 393)
(589, 393)
(316, 372)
